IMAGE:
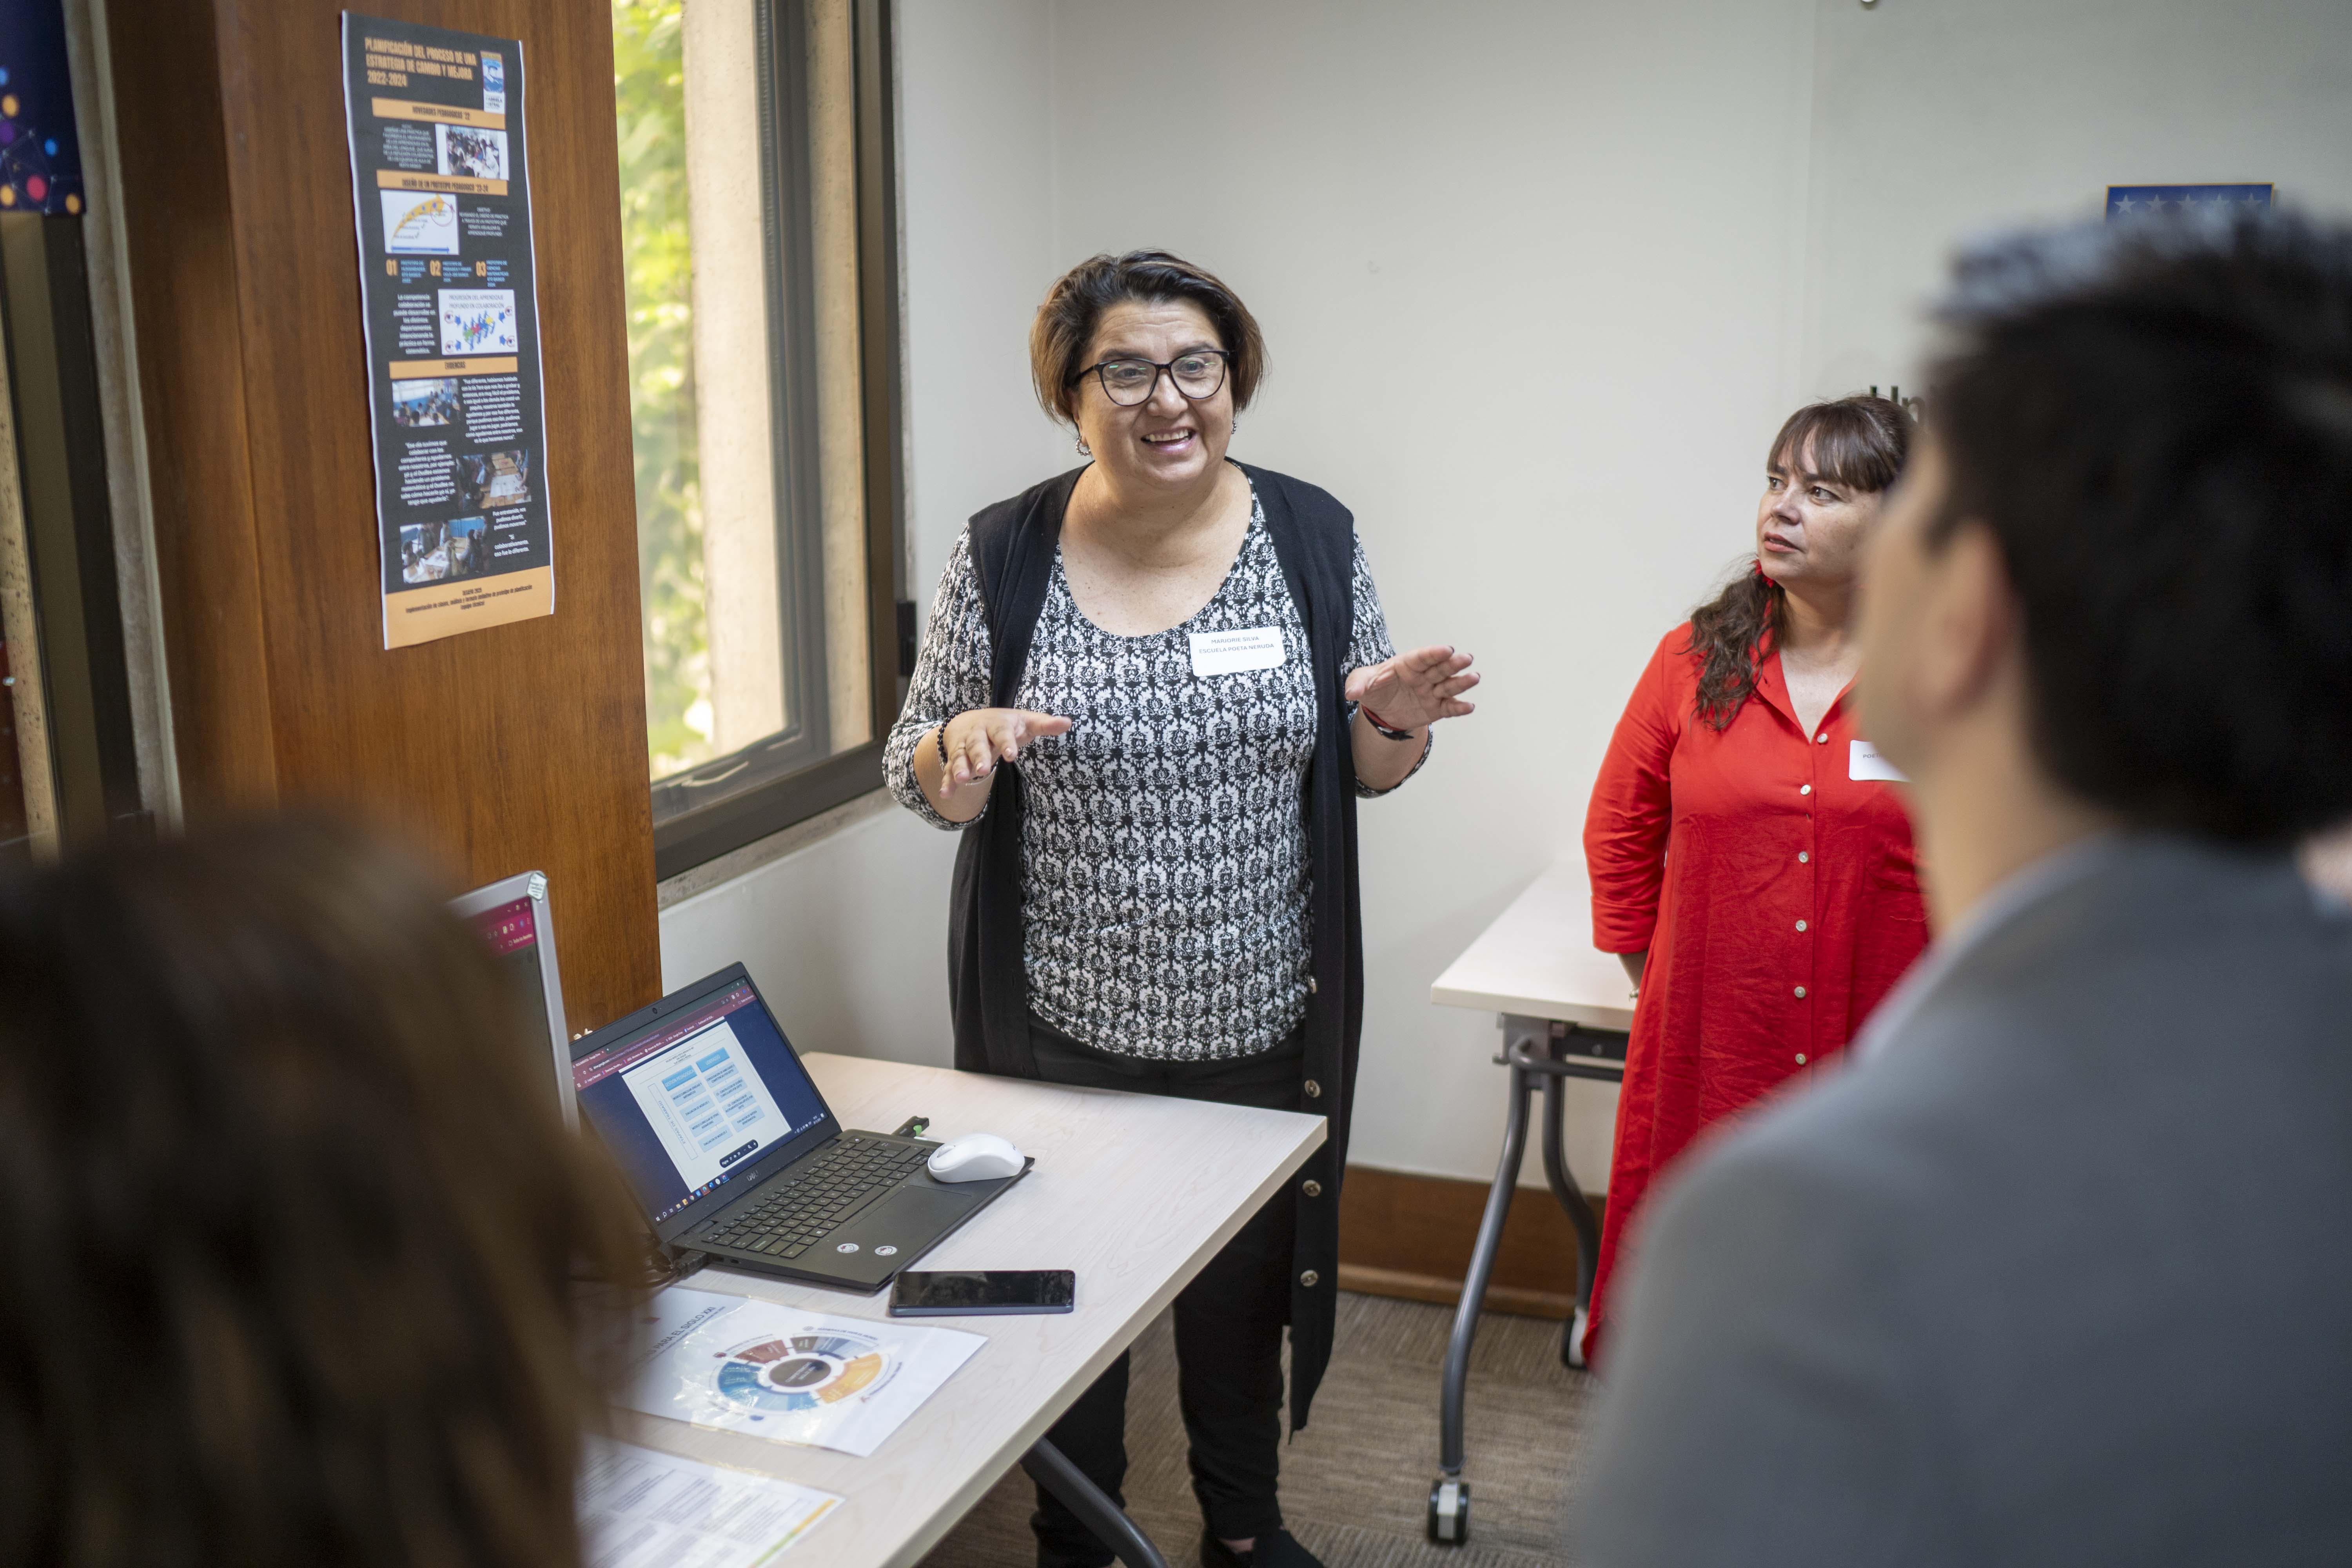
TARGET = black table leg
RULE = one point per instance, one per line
(1051, 1468)
(1580, 1213)
(1531, 1052)
(1449, 1497)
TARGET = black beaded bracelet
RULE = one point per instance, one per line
(1383, 728)
(946, 767)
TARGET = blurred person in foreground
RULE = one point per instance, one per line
(2056, 1273)
(292, 1234)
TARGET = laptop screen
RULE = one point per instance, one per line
(513, 931)
(692, 1099)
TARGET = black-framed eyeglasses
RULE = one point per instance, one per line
(1130, 382)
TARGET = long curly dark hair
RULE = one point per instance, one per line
(1858, 441)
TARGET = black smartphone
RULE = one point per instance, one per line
(984, 1293)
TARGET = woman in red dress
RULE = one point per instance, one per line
(1748, 861)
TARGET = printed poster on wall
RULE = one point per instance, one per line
(441, 193)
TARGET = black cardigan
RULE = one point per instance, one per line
(1013, 549)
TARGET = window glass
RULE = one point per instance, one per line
(649, 89)
(16, 754)
(738, 205)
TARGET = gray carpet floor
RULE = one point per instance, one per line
(1355, 1484)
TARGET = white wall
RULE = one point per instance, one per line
(1539, 281)
(1525, 271)
(1937, 120)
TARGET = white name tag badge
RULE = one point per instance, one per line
(1863, 763)
(1231, 653)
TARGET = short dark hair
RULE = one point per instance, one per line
(290, 1228)
(1074, 308)
(2155, 422)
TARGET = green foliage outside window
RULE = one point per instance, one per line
(649, 99)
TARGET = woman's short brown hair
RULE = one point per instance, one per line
(292, 1231)
(1074, 306)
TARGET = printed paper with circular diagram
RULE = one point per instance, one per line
(790, 1375)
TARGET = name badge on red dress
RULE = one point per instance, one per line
(1863, 763)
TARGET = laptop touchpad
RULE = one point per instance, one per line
(913, 1216)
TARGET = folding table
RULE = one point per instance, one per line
(1566, 1011)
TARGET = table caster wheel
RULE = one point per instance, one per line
(1571, 1342)
(1449, 1513)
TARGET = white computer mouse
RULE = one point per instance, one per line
(975, 1157)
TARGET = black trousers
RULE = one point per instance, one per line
(1229, 1323)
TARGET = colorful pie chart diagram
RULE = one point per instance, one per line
(803, 1371)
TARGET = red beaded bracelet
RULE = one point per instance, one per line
(1385, 729)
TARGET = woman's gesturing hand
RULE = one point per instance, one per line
(980, 738)
(1414, 689)
(975, 740)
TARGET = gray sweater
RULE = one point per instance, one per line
(2060, 1272)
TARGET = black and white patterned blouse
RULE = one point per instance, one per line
(1165, 875)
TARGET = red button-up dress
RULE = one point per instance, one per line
(1777, 895)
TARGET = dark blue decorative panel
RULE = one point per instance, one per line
(2153, 201)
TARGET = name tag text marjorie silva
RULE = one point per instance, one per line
(1233, 652)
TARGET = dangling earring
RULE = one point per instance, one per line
(1237, 426)
(1084, 450)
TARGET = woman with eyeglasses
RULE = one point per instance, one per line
(1152, 690)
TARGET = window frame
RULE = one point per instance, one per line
(809, 781)
(75, 675)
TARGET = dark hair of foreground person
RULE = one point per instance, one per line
(293, 1241)
(2156, 426)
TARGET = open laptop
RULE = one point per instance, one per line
(511, 915)
(732, 1150)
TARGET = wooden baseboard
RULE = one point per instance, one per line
(1403, 1287)
(1410, 1236)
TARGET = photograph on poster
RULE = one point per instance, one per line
(424, 553)
(470, 546)
(478, 154)
(479, 321)
(420, 403)
(489, 479)
(419, 223)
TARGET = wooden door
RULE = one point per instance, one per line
(510, 749)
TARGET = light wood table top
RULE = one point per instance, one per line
(1538, 960)
(1135, 1192)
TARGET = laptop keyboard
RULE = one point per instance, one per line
(797, 1214)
